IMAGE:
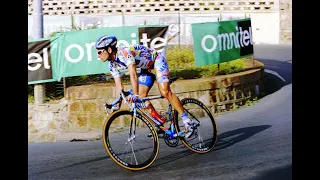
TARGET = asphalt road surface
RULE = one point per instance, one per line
(255, 142)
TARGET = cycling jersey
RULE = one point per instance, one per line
(140, 55)
(144, 58)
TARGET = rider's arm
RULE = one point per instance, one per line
(129, 59)
(119, 87)
(133, 78)
(117, 80)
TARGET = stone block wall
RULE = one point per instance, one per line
(45, 121)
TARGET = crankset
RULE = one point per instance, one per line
(172, 142)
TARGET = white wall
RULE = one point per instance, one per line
(266, 26)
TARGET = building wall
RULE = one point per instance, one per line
(271, 19)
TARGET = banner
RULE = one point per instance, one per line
(39, 61)
(153, 37)
(42, 63)
(222, 41)
(75, 55)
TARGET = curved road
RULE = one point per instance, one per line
(255, 142)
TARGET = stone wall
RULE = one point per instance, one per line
(81, 114)
(286, 21)
(46, 121)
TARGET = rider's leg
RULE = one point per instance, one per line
(162, 72)
(143, 92)
(145, 81)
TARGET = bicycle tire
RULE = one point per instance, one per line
(197, 109)
(110, 130)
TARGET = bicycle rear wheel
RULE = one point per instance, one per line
(126, 140)
(205, 134)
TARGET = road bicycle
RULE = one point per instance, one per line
(131, 139)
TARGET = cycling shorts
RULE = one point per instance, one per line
(146, 78)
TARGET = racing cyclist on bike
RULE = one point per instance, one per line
(147, 59)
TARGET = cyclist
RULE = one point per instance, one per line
(147, 59)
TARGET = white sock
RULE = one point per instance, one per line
(185, 118)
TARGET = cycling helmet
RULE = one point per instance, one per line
(106, 41)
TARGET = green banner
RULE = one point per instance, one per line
(77, 54)
(73, 54)
(222, 41)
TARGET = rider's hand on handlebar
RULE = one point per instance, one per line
(114, 108)
(132, 98)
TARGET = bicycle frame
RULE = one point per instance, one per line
(140, 106)
(171, 130)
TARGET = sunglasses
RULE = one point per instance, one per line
(100, 51)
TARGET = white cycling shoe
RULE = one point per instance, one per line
(188, 129)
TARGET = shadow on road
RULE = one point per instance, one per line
(276, 75)
(224, 140)
(280, 173)
(230, 138)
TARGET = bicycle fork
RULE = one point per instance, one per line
(132, 129)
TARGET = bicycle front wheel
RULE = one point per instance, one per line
(126, 140)
(205, 132)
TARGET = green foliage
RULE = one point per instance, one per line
(182, 64)
(251, 102)
(30, 98)
(180, 57)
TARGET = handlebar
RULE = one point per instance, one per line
(123, 95)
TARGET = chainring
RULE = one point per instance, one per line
(172, 142)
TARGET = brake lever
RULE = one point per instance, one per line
(107, 106)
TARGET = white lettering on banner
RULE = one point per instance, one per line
(228, 40)
(145, 39)
(203, 43)
(155, 46)
(90, 47)
(89, 52)
(67, 53)
(246, 36)
(241, 37)
(38, 59)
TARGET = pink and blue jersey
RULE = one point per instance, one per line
(144, 58)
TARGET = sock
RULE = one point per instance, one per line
(185, 117)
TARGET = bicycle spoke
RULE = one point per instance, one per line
(200, 139)
(142, 154)
(138, 151)
(134, 155)
(204, 137)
